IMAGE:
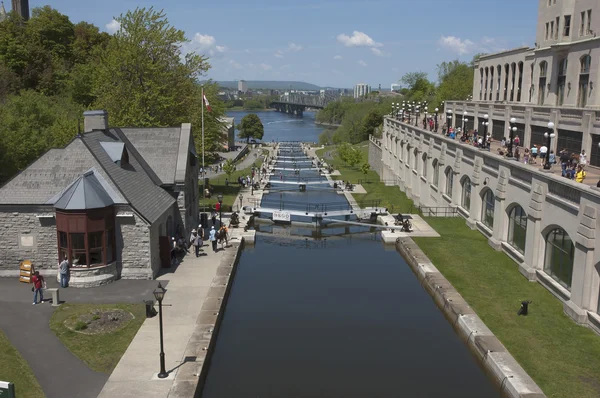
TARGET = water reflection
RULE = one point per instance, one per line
(338, 317)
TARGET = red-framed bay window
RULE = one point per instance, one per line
(86, 237)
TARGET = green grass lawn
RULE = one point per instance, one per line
(100, 352)
(15, 369)
(230, 192)
(562, 357)
(389, 196)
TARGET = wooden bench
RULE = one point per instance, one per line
(55, 296)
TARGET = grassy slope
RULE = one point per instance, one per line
(100, 352)
(15, 369)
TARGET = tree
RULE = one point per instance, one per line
(251, 127)
(456, 81)
(365, 168)
(143, 78)
(409, 80)
(229, 167)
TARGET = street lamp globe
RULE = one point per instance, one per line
(486, 116)
(551, 125)
(220, 198)
(513, 120)
(437, 109)
(465, 113)
(159, 293)
(514, 129)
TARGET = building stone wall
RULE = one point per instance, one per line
(23, 236)
(133, 246)
(375, 156)
(411, 156)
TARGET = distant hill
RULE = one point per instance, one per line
(271, 85)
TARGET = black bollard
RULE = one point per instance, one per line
(524, 308)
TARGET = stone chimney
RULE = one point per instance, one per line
(95, 120)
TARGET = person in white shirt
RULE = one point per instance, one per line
(543, 151)
(582, 158)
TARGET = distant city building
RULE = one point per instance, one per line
(21, 7)
(228, 133)
(361, 90)
(242, 86)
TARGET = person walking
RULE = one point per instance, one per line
(582, 158)
(38, 284)
(213, 238)
(580, 174)
(63, 268)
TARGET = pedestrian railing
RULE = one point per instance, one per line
(427, 211)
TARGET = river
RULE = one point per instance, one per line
(332, 312)
(283, 127)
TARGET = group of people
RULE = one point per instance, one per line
(181, 247)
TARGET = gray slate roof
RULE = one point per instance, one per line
(136, 181)
(50, 174)
(84, 193)
(159, 147)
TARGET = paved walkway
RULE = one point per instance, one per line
(135, 374)
(250, 158)
(59, 372)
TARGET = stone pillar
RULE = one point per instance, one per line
(587, 126)
(527, 133)
(500, 219)
(533, 260)
(476, 201)
(456, 186)
(585, 278)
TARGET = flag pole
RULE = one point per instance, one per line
(203, 165)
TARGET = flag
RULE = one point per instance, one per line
(207, 104)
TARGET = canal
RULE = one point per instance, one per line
(334, 313)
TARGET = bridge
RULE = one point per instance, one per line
(296, 104)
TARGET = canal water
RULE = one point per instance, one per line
(331, 312)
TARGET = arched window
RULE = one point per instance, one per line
(487, 211)
(449, 181)
(584, 80)
(436, 172)
(481, 84)
(491, 82)
(506, 85)
(425, 165)
(517, 228)
(561, 81)
(415, 158)
(542, 82)
(519, 81)
(466, 194)
(499, 77)
(513, 69)
(558, 259)
(487, 74)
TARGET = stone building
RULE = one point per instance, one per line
(555, 81)
(545, 223)
(110, 201)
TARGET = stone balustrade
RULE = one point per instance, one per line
(544, 222)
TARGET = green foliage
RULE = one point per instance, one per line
(365, 168)
(251, 127)
(229, 167)
(253, 105)
(31, 124)
(349, 154)
(80, 325)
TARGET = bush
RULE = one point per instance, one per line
(81, 325)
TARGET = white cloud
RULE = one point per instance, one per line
(265, 66)
(286, 66)
(247, 51)
(338, 57)
(378, 52)
(362, 63)
(358, 39)
(205, 44)
(293, 47)
(113, 26)
(278, 54)
(234, 64)
(457, 45)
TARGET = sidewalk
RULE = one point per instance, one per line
(188, 289)
(247, 162)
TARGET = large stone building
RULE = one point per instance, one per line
(361, 90)
(110, 201)
(21, 7)
(547, 224)
(555, 81)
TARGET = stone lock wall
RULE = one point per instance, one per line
(133, 247)
(23, 236)
(375, 156)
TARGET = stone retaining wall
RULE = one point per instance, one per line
(375, 157)
(191, 376)
(495, 358)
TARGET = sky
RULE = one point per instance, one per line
(329, 43)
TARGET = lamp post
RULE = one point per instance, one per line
(512, 130)
(409, 108)
(241, 199)
(485, 129)
(464, 119)
(220, 198)
(549, 135)
(417, 116)
(436, 119)
(448, 121)
(425, 124)
(159, 294)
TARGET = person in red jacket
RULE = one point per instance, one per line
(38, 285)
